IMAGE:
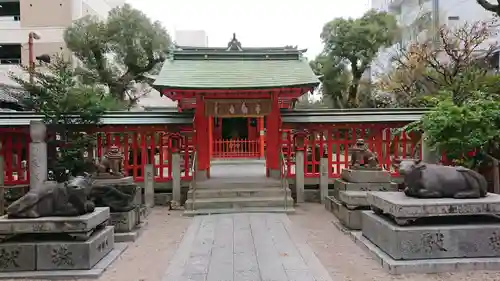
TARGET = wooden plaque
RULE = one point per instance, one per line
(237, 107)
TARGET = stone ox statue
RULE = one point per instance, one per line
(424, 180)
(55, 199)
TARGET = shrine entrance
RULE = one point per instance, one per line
(237, 130)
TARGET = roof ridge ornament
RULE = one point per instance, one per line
(234, 44)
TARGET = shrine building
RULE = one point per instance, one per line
(236, 94)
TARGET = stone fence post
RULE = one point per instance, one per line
(323, 179)
(176, 176)
(149, 186)
(299, 137)
(2, 187)
(428, 156)
(38, 154)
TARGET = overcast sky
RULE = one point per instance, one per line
(257, 23)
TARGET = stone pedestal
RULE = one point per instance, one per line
(429, 235)
(124, 221)
(55, 243)
(350, 206)
(365, 175)
(350, 193)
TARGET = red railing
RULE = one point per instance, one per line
(143, 145)
(236, 148)
(333, 141)
(15, 153)
(140, 145)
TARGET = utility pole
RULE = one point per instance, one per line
(435, 21)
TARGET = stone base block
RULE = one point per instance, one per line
(75, 255)
(426, 265)
(130, 236)
(351, 219)
(353, 175)
(110, 180)
(459, 237)
(124, 221)
(80, 224)
(402, 207)
(353, 199)
(162, 199)
(342, 185)
(329, 203)
(15, 256)
(93, 273)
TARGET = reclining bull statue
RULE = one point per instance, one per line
(55, 199)
(424, 180)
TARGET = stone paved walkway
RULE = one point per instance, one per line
(244, 247)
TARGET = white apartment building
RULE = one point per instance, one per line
(191, 38)
(410, 12)
(49, 18)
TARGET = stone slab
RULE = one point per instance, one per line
(353, 175)
(424, 266)
(111, 181)
(93, 273)
(131, 236)
(478, 240)
(351, 219)
(15, 256)
(400, 206)
(124, 221)
(353, 199)
(75, 255)
(78, 224)
(342, 185)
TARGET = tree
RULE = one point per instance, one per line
(68, 108)
(335, 79)
(128, 47)
(357, 42)
(490, 7)
(460, 63)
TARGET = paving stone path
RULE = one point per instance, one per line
(244, 247)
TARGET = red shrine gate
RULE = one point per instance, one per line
(236, 94)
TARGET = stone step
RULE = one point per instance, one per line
(237, 192)
(288, 210)
(238, 202)
(215, 184)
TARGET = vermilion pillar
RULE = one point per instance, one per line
(273, 149)
(202, 138)
(261, 137)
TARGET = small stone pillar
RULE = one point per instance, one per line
(38, 154)
(299, 139)
(149, 185)
(175, 144)
(2, 187)
(323, 180)
(428, 155)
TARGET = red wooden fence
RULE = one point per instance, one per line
(236, 148)
(140, 145)
(332, 141)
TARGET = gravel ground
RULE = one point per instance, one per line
(348, 262)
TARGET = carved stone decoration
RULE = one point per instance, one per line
(494, 241)
(62, 256)
(440, 181)
(9, 258)
(362, 157)
(111, 166)
(433, 242)
(37, 131)
(53, 199)
(118, 197)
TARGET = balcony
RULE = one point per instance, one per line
(10, 22)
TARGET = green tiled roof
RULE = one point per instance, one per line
(235, 68)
